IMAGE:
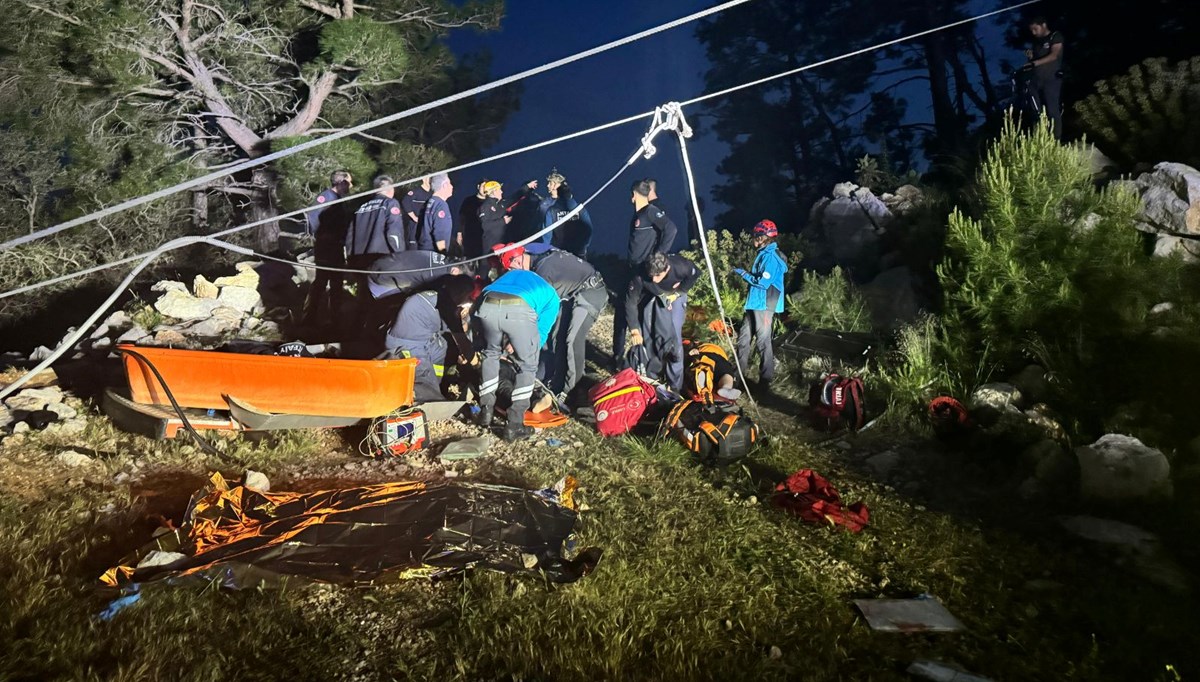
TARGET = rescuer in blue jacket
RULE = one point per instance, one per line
(765, 299)
(523, 307)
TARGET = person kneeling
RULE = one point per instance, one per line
(421, 328)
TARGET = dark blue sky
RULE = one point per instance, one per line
(629, 80)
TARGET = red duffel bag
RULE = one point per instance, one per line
(620, 401)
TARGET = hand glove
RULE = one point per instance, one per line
(635, 337)
(739, 272)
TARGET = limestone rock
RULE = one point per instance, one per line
(165, 285)
(169, 337)
(40, 353)
(843, 190)
(1170, 199)
(33, 399)
(72, 458)
(202, 288)
(183, 306)
(245, 299)
(256, 480)
(118, 321)
(223, 321)
(135, 334)
(63, 410)
(1166, 245)
(994, 397)
(6, 417)
(1118, 467)
(246, 277)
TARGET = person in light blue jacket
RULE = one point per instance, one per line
(765, 299)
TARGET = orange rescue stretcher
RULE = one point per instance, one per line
(239, 391)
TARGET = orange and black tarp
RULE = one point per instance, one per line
(240, 537)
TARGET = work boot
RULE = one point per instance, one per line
(517, 432)
(484, 418)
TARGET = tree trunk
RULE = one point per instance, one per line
(263, 207)
(200, 195)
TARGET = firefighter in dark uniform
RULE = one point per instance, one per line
(426, 323)
(470, 230)
(377, 231)
(650, 232)
(399, 273)
(492, 216)
(437, 226)
(328, 224)
(413, 205)
(655, 305)
(583, 294)
(1046, 62)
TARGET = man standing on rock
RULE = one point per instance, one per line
(378, 230)
(1046, 60)
(436, 225)
(650, 232)
(413, 205)
(328, 224)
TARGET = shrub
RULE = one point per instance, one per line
(829, 302)
(1148, 114)
(1047, 268)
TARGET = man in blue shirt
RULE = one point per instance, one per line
(519, 305)
(765, 299)
(575, 234)
(437, 225)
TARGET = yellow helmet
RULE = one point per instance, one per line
(490, 185)
(712, 348)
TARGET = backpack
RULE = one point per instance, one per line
(715, 434)
(701, 378)
(834, 399)
(620, 401)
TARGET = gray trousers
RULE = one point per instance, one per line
(516, 321)
(585, 308)
(757, 324)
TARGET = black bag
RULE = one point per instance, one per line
(716, 434)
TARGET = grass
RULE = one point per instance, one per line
(700, 579)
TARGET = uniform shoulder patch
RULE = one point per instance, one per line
(441, 214)
(395, 210)
(410, 192)
(321, 199)
(659, 214)
(637, 223)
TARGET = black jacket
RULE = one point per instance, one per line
(680, 278)
(377, 228)
(651, 231)
(567, 273)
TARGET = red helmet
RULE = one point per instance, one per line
(508, 257)
(766, 228)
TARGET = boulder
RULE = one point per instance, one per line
(994, 397)
(892, 298)
(118, 321)
(202, 288)
(1118, 467)
(843, 190)
(246, 277)
(256, 480)
(169, 337)
(223, 321)
(165, 285)
(6, 417)
(133, 335)
(63, 410)
(903, 200)
(1099, 163)
(71, 458)
(33, 399)
(245, 299)
(1167, 245)
(1170, 199)
(183, 306)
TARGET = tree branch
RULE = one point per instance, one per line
(65, 17)
(328, 11)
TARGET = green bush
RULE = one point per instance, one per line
(1046, 268)
(1148, 114)
(829, 302)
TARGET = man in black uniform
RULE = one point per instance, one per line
(583, 294)
(413, 205)
(1046, 60)
(650, 232)
(397, 274)
(328, 224)
(492, 216)
(470, 228)
(378, 231)
(655, 305)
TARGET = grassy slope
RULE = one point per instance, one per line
(698, 581)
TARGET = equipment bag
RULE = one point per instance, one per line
(620, 402)
(837, 401)
(716, 434)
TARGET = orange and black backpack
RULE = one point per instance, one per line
(837, 401)
(700, 382)
(715, 434)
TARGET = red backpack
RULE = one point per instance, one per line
(620, 401)
(835, 399)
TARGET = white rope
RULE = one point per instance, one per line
(251, 163)
(350, 197)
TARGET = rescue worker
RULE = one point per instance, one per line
(413, 204)
(524, 210)
(492, 217)
(328, 224)
(470, 228)
(378, 231)
(553, 182)
(436, 224)
(521, 306)
(583, 294)
(422, 326)
(574, 235)
(655, 305)
(1046, 62)
(764, 301)
(407, 270)
(650, 232)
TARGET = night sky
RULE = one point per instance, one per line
(623, 82)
